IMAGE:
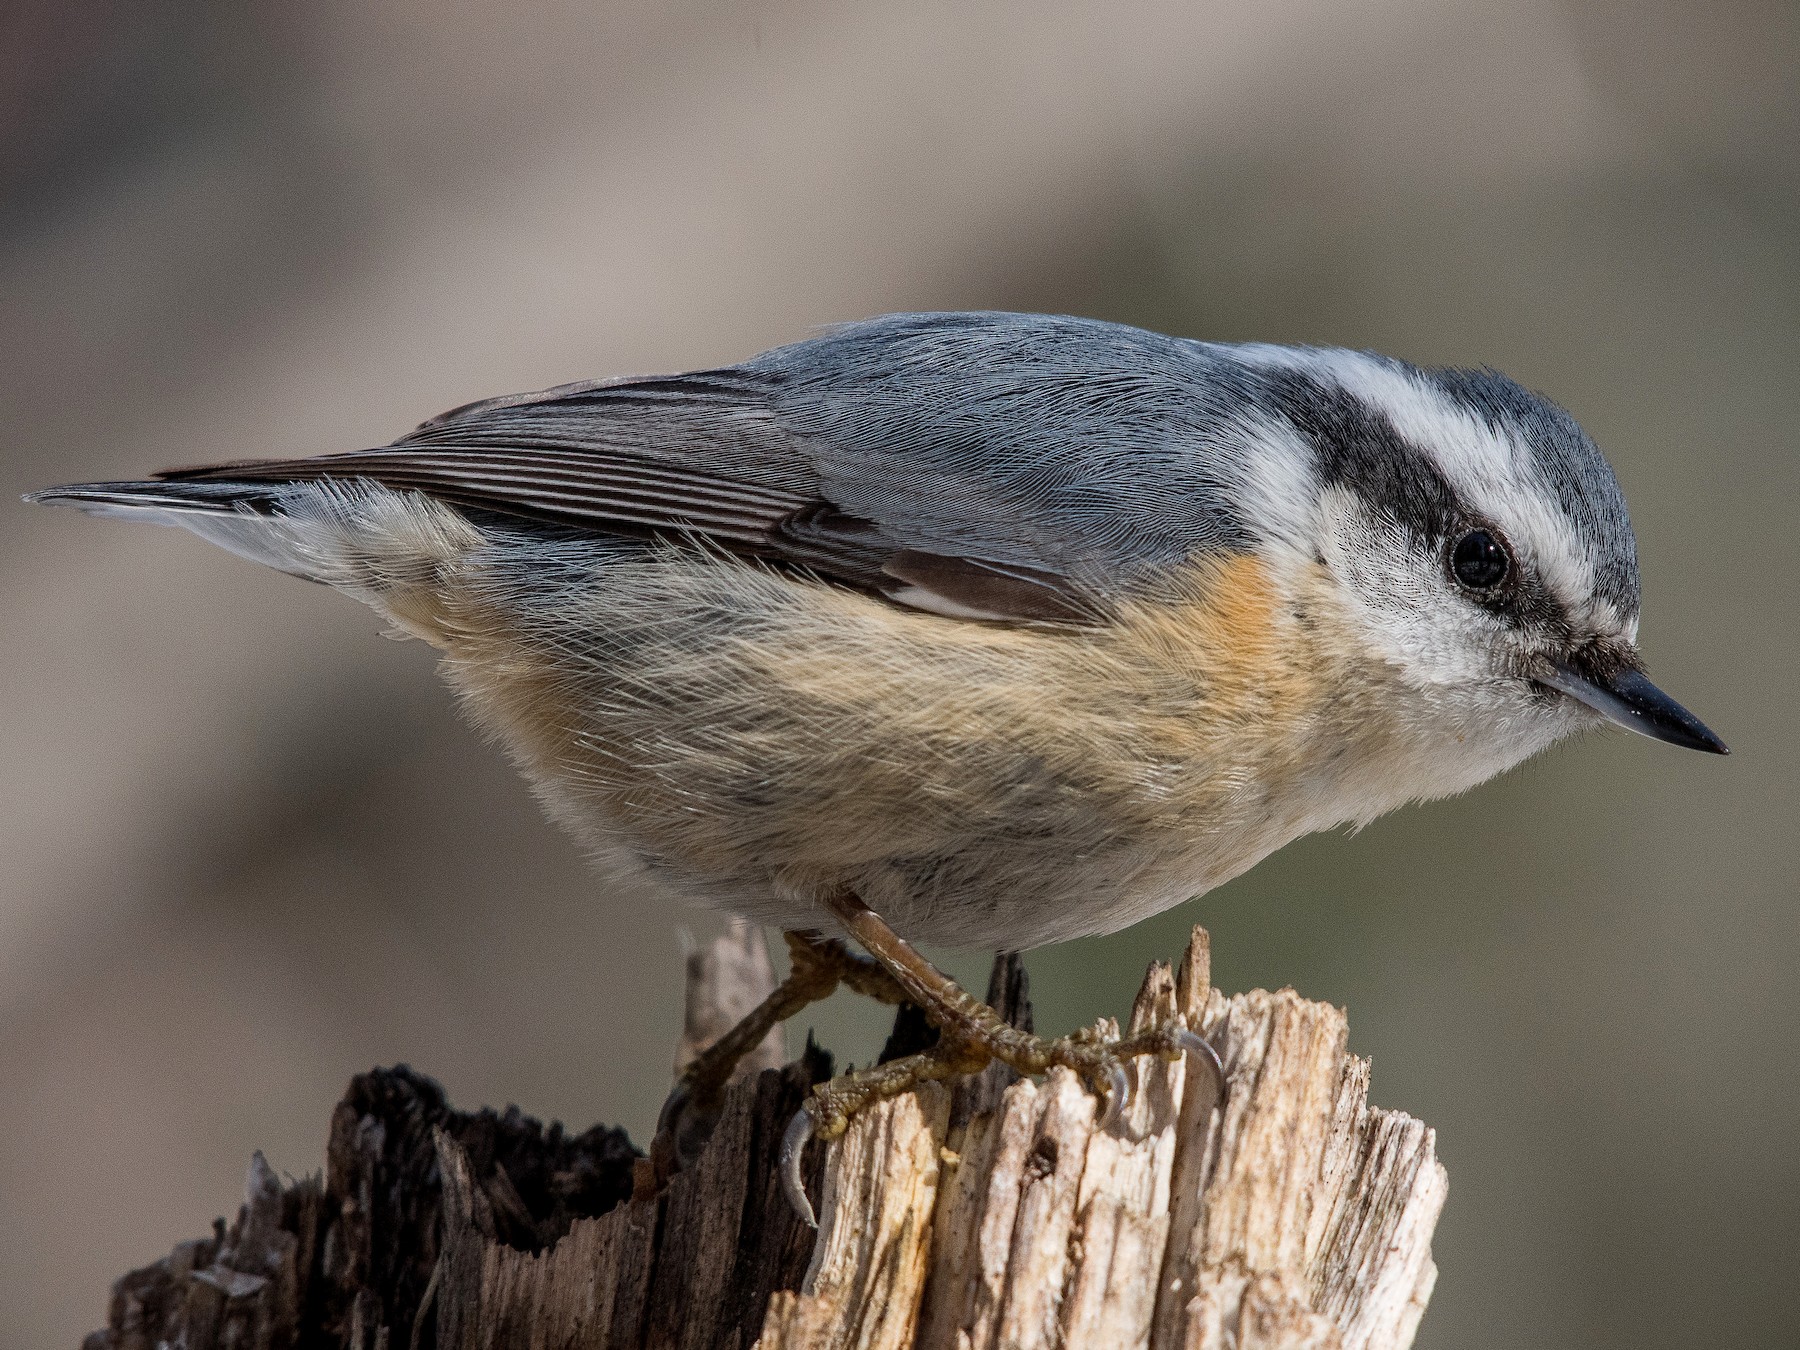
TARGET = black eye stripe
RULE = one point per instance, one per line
(1570, 464)
(1357, 447)
(1520, 596)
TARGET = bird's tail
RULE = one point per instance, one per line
(392, 549)
(247, 519)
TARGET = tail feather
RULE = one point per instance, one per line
(390, 549)
(132, 499)
(242, 518)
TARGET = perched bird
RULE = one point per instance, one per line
(985, 629)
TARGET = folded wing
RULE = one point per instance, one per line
(991, 467)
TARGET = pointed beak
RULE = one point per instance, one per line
(1629, 699)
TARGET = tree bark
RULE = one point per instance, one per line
(992, 1214)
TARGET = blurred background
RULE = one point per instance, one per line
(249, 849)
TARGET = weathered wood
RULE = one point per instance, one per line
(1288, 1213)
(725, 980)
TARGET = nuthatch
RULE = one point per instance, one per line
(1004, 628)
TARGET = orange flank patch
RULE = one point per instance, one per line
(1236, 624)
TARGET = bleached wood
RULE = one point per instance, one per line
(1123, 1225)
(726, 979)
(868, 1268)
(1302, 1199)
(1293, 1215)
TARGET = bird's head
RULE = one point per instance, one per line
(1476, 537)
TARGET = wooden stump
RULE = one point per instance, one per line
(1290, 1213)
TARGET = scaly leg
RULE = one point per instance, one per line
(819, 966)
(973, 1034)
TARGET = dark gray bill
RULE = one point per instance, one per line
(1632, 701)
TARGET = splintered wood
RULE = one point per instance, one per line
(1288, 1214)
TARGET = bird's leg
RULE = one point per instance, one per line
(976, 1029)
(972, 1035)
(819, 965)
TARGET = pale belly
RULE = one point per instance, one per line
(754, 741)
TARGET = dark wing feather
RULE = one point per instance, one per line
(597, 489)
(855, 549)
(633, 456)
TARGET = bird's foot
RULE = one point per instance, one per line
(691, 1109)
(975, 1041)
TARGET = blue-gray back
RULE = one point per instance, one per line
(1016, 465)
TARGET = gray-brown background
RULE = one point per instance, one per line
(248, 849)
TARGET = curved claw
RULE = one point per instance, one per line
(1193, 1043)
(1118, 1095)
(793, 1182)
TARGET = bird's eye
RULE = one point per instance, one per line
(1480, 561)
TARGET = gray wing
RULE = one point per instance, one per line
(984, 465)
